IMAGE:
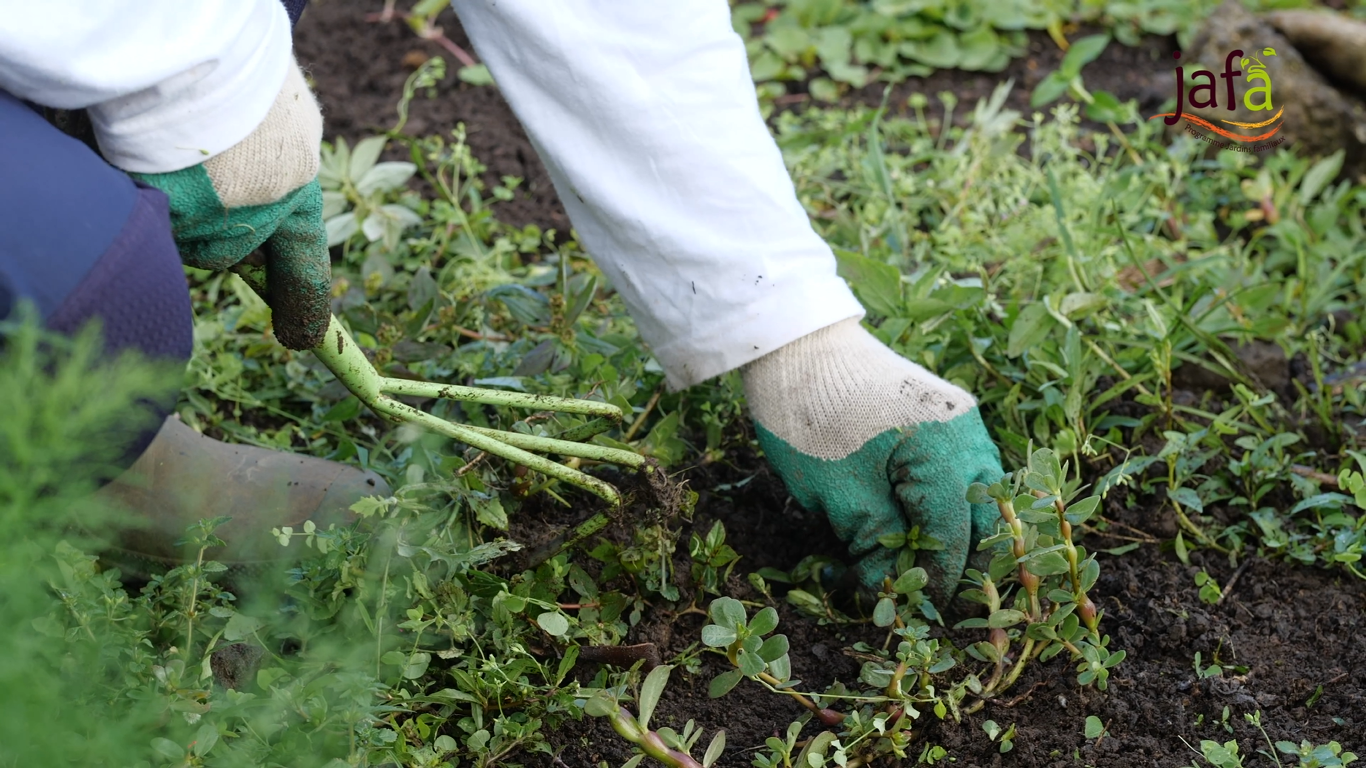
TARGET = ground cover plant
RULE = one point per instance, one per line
(1168, 349)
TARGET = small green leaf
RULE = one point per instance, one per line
(364, 156)
(824, 89)
(884, 613)
(241, 626)
(773, 648)
(876, 283)
(750, 663)
(940, 51)
(476, 75)
(1079, 512)
(1187, 497)
(1049, 90)
(1031, 327)
(1082, 52)
(1006, 617)
(204, 739)
(1094, 727)
(1047, 564)
(717, 636)
(978, 48)
(345, 410)
(714, 749)
(600, 705)
(892, 540)
(417, 665)
(1040, 631)
(488, 510)
(1320, 175)
(168, 748)
(1090, 573)
(554, 623)
(977, 494)
(1104, 108)
(650, 691)
(722, 683)
(385, 177)
(764, 621)
(728, 612)
(912, 580)
(781, 667)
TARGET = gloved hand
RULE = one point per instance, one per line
(878, 444)
(263, 193)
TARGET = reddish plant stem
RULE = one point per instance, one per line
(1028, 581)
(426, 32)
(626, 725)
(826, 716)
(1086, 609)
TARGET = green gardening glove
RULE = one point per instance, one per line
(263, 193)
(878, 444)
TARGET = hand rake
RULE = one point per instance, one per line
(340, 353)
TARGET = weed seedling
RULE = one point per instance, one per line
(1209, 588)
(665, 745)
(1053, 574)
(763, 659)
(1006, 739)
(1327, 755)
(712, 560)
(1310, 755)
(1218, 755)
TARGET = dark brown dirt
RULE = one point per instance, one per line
(1295, 629)
(358, 70)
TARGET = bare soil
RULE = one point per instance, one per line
(1298, 631)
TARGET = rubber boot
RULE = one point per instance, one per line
(184, 477)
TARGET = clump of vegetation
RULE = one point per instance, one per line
(1048, 612)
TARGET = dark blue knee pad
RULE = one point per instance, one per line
(81, 241)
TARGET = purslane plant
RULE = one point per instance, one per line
(1036, 593)
(765, 660)
(665, 745)
(1051, 610)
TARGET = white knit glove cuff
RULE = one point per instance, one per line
(830, 392)
(280, 156)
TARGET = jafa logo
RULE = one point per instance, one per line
(1204, 94)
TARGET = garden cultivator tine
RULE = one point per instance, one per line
(340, 353)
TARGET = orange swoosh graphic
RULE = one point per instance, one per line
(1262, 124)
(1227, 134)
